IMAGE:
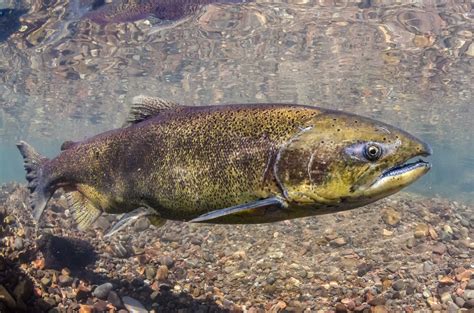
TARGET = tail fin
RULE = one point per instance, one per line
(37, 184)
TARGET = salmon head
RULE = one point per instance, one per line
(340, 160)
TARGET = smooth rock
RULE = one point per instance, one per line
(23, 290)
(470, 284)
(141, 225)
(468, 294)
(452, 307)
(459, 301)
(7, 298)
(102, 291)
(65, 280)
(133, 305)
(166, 260)
(114, 299)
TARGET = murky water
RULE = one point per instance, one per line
(64, 76)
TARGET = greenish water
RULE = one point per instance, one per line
(408, 63)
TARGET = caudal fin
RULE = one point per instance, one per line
(37, 183)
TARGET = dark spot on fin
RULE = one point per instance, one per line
(37, 182)
(83, 211)
(208, 217)
(144, 107)
(67, 144)
(130, 217)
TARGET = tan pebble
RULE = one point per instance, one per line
(446, 280)
(280, 306)
(378, 309)
(422, 41)
(421, 230)
(387, 232)
(85, 309)
(464, 276)
(391, 217)
(162, 273)
(470, 50)
(387, 284)
(433, 233)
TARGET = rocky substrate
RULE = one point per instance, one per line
(401, 254)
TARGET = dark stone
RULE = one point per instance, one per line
(398, 285)
(166, 260)
(363, 269)
(340, 308)
(115, 300)
(102, 291)
(65, 280)
(100, 306)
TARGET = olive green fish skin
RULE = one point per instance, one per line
(188, 161)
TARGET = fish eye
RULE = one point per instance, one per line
(372, 152)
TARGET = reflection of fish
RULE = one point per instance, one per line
(251, 163)
(132, 10)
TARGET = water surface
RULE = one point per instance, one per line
(409, 63)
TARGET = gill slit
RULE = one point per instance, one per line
(278, 156)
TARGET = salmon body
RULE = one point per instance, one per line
(251, 163)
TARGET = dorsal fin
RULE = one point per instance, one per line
(144, 107)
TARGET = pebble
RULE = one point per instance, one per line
(141, 224)
(445, 297)
(150, 272)
(470, 285)
(391, 217)
(338, 242)
(379, 309)
(18, 244)
(114, 299)
(468, 294)
(133, 305)
(65, 280)
(102, 291)
(398, 285)
(166, 260)
(162, 273)
(421, 231)
(439, 248)
(459, 301)
(452, 307)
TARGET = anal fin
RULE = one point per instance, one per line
(83, 210)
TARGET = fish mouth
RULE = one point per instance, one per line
(405, 168)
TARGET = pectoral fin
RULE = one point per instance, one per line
(131, 217)
(241, 209)
(83, 210)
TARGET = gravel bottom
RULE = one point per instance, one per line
(402, 254)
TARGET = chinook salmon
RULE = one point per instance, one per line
(237, 163)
